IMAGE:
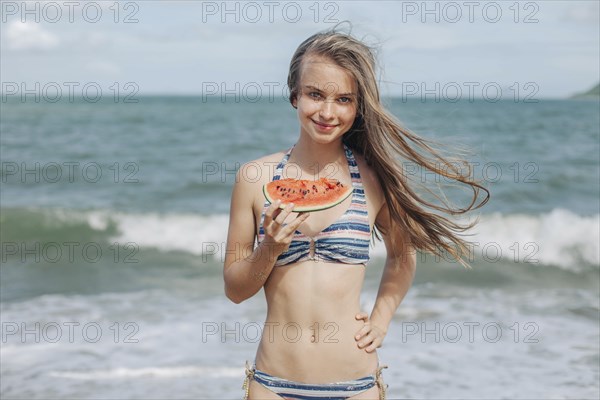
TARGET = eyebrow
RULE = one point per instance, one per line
(319, 90)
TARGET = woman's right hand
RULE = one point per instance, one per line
(278, 236)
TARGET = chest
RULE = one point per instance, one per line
(357, 210)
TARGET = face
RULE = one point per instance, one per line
(326, 101)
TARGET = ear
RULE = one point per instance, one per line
(295, 102)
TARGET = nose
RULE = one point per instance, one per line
(326, 110)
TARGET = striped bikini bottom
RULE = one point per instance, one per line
(297, 390)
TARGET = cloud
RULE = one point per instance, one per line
(29, 36)
(169, 39)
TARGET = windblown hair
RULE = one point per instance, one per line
(387, 147)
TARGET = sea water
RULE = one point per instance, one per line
(114, 218)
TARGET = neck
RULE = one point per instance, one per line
(316, 156)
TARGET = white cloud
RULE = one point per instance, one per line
(29, 36)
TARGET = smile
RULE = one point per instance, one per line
(322, 125)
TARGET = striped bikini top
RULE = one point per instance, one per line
(345, 241)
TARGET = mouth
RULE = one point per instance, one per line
(323, 125)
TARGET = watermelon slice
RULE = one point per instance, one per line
(307, 195)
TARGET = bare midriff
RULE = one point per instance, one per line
(309, 332)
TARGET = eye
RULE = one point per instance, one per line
(345, 100)
(315, 95)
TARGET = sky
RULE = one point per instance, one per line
(521, 49)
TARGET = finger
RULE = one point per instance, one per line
(370, 348)
(364, 331)
(280, 218)
(270, 212)
(276, 213)
(375, 345)
(365, 341)
(362, 315)
(291, 227)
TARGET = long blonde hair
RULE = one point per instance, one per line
(386, 146)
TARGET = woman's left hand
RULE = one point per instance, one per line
(369, 337)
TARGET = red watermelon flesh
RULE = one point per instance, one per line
(307, 195)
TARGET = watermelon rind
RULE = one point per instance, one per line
(297, 208)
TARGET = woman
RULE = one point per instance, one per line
(316, 342)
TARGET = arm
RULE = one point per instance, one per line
(398, 275)
(246, 269)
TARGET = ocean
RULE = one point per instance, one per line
(114, 218)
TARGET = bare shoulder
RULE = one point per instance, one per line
(251, 177)
(371, 183)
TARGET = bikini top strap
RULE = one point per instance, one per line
(284, 160)
(353, 167)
